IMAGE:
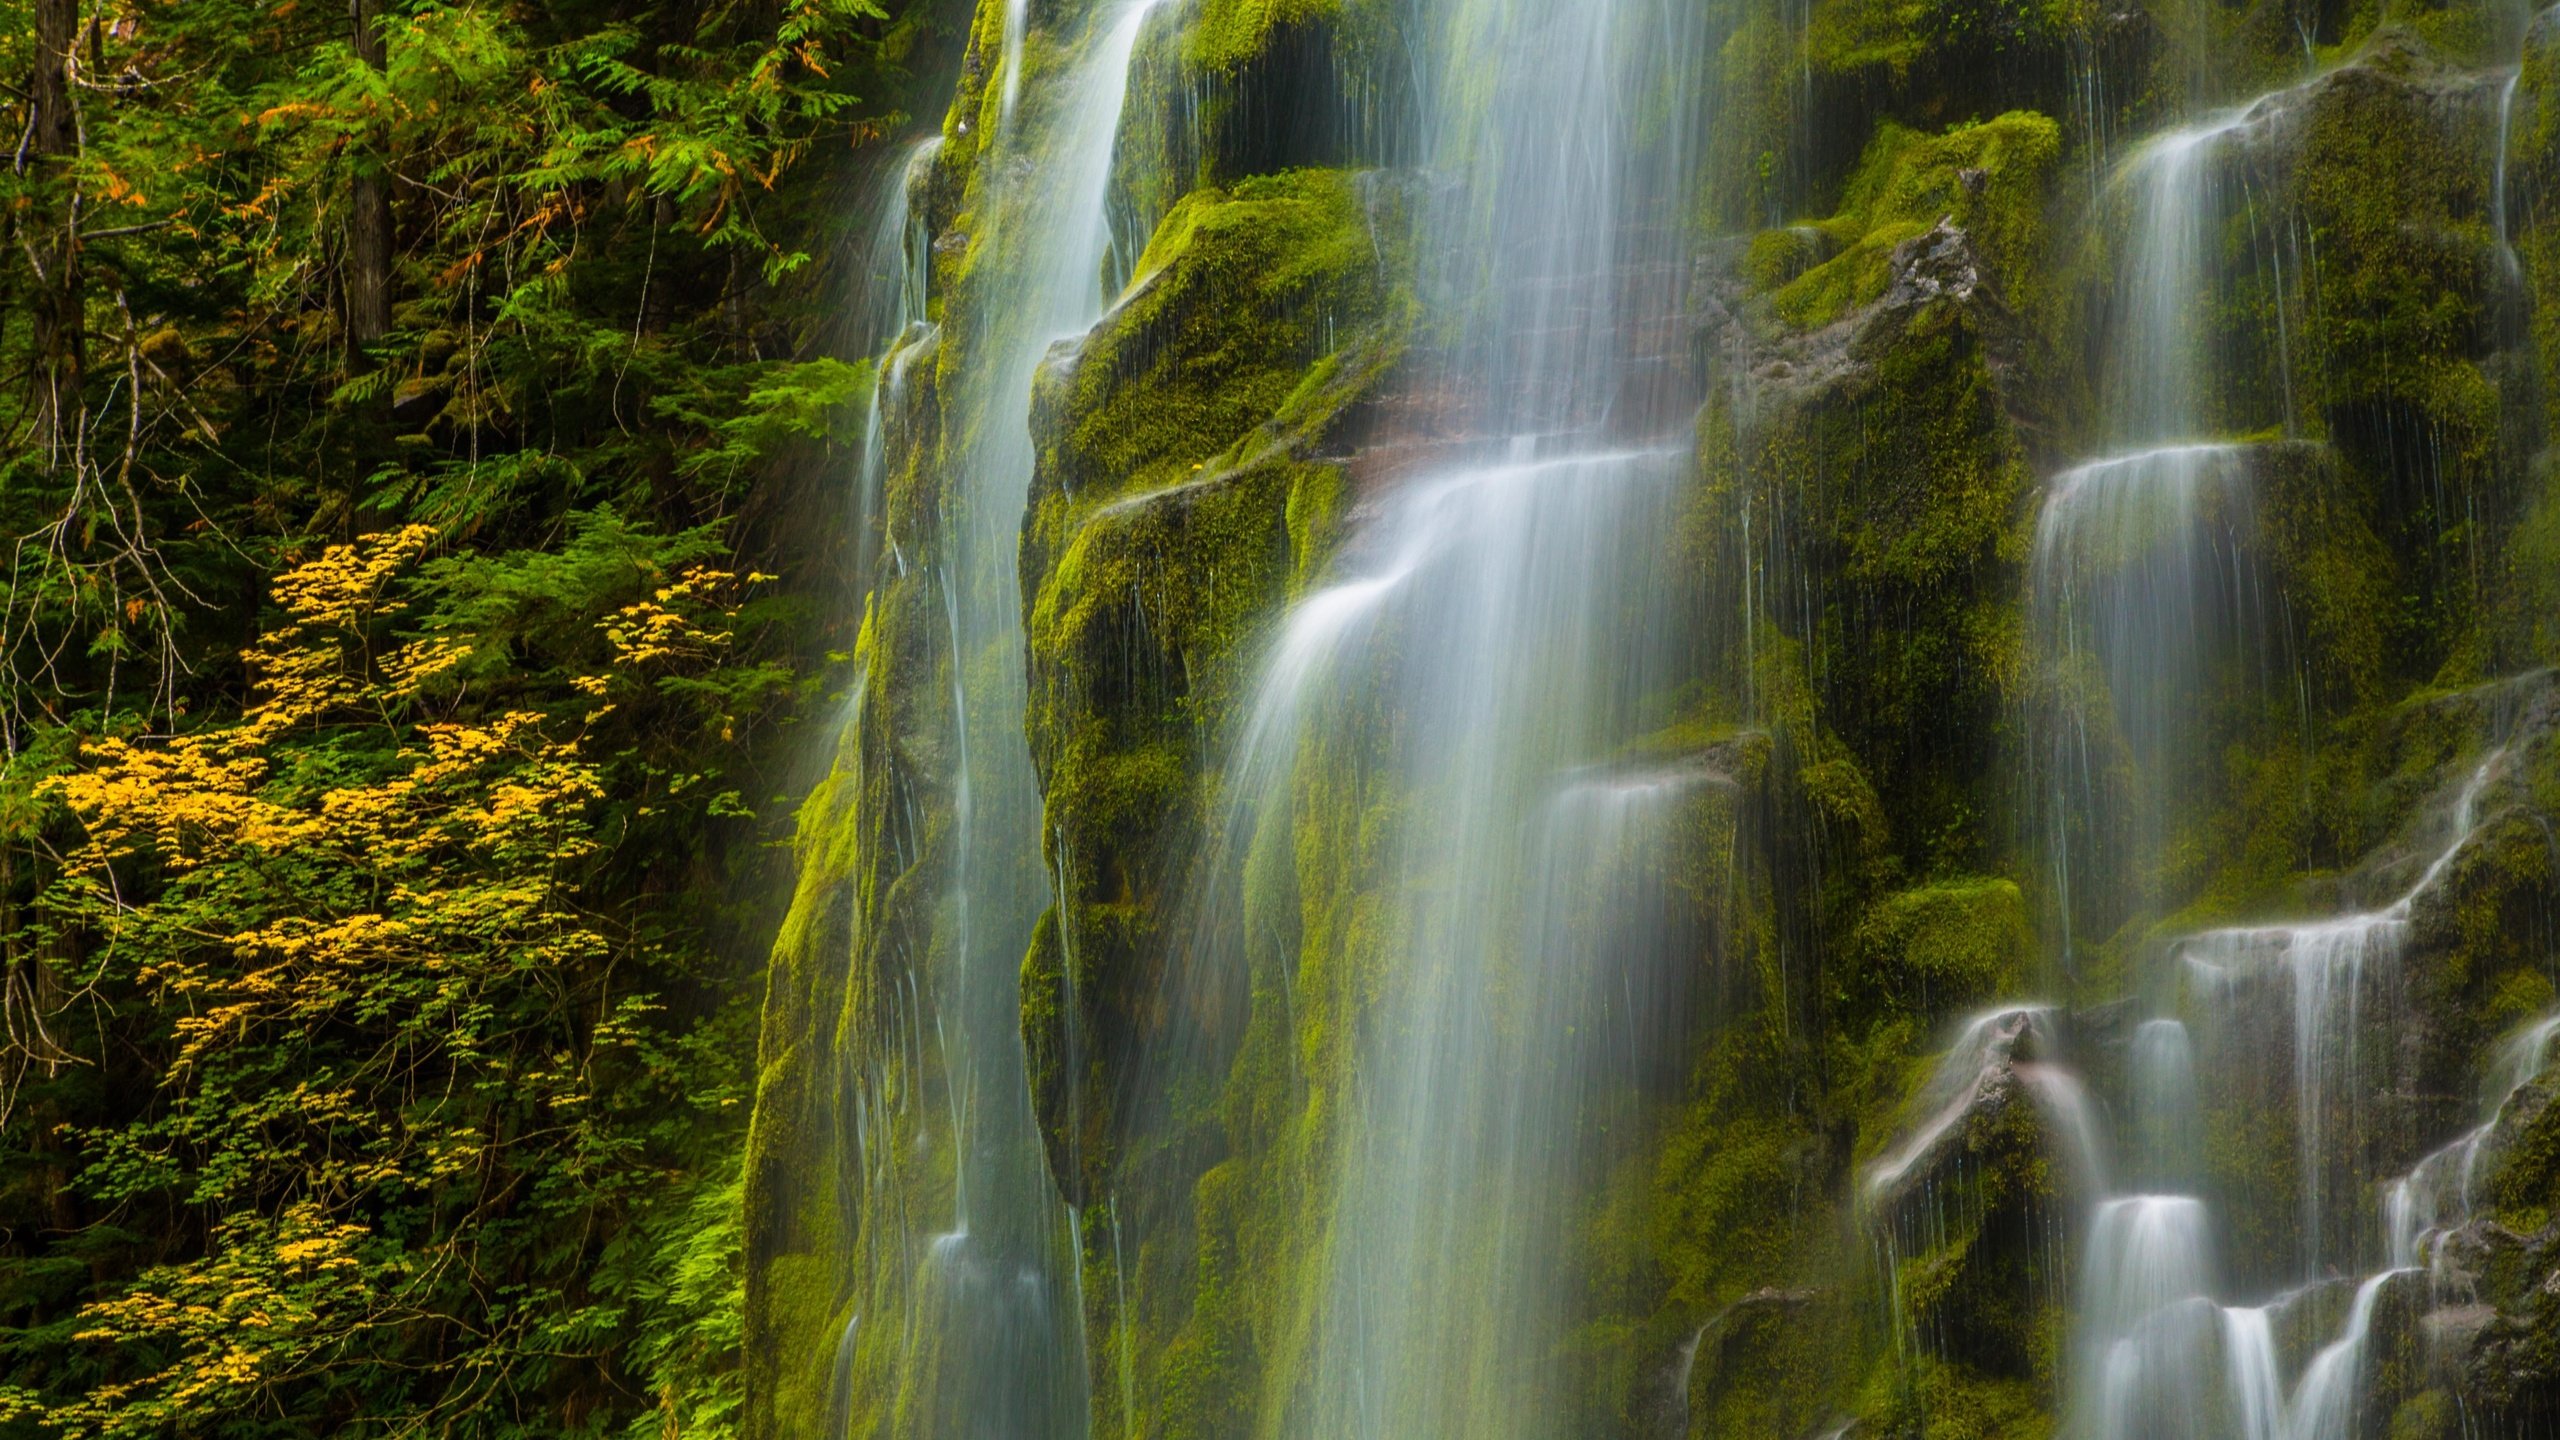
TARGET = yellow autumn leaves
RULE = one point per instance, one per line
(360, 906)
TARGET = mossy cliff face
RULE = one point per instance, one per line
(1187, 477)
(843, 1082)
(1843, 1204)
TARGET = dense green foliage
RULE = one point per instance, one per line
(395, 411)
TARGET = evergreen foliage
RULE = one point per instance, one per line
(400, 402)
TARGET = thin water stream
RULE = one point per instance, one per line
(992, 1341)
(2144, 590)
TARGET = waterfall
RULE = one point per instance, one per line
(2147, 1325)
(2137, 583)
(2442, 1187)
(1488, 642)
(2168, 1129)
(2329, 965)
(1476, 1095)
(2324, 1404)
(2144, 603)
(2156, 1350)
(1444, 852)
(994, 1338)
(2162, 373)
(2141, 578)
(2249, 1357)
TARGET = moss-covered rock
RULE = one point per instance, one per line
(1934, 949)
(1989, 179)
(1890, 453)
(1968, 1175)
(1846, 70)
(1222, 90)
(1178, 496)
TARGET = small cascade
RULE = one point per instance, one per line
(2255, 1386)
(2511, 270)
(2157, 1355)
(2168, 1128)
(2327, 965)
(2324, 1403)
(2330, 966)
(1534, 972)
(2138, 572)
(1606, 897)
(2149, 1330)
(2161, 376)
(2158, 1350)
(1017, 27)
(1978, 1061)
(897, 264)
(2440, 1191)
(2146, 603)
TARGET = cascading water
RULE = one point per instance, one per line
(1455, 805)
(2167, 1125)
(2442, 1188)
(2157, 1352)
(2137, 581)
(1500, 629)
(2329, 966)
(2141, 579)
(2143, 591)
(893, 313)
(991, 1341)
(1482, 1070)
(2161, 375)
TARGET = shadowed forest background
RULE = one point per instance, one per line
(404, 417)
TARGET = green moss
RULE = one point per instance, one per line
(1939, 1399)
(1238, 296)
(2389, 354)
(2531, 578)
(1849, 36)
(1898, 474)
(1989, 179)
(2342, 582)
(1778, 256)
(1229, 33)
(1937, 948)
(2526, 1189)
(2429, 1415)
(1171, 516)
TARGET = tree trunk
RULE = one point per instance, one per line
(368, 218)
(53, 138)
